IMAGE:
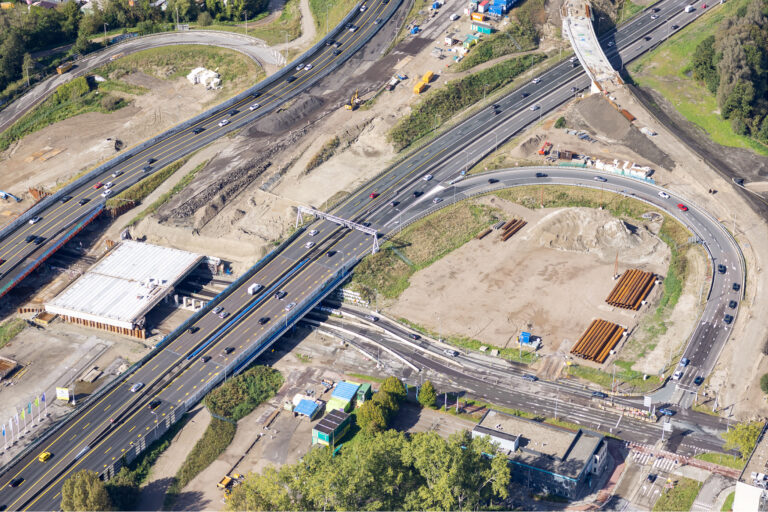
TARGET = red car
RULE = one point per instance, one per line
(682, 207)
(703, 6)
(98, 185)
(374, 195)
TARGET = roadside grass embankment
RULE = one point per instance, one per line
(517, 37)
(142, 189)
(228, 403)
(328, 14)
(285, 28)
(10, 329)
(441, 104)
(667, 70)
(680, 497)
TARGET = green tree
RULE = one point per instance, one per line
(427, 394)
(393, 386)
(11, 58)
(388, 403)
(204, 19)
(743, 436)
(28, 64)
(764, 383)
(84, 491)
(265, 491)
(560, 123)
(372, 417)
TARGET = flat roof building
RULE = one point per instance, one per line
(118, 291)
(331, 428)
(551, 459)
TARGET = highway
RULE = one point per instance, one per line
(121, 421)
(19, 252)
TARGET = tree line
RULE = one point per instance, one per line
(733, 65)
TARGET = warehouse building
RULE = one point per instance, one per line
(544, 457)
(117, 292)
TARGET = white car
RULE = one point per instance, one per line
(427, 177)
(534, 107)
(654, 16)
(309, 245)
(224, 122)
(35, 220)
(536, 80)
(437, 200)
(663, 195)
(300, 66)
(137, 387)
(116, 174)
(106, 193)
(108, 184)
(610, 43)
(307, 67)
(290, 306)
(363, 8)
(352, 28)
(312, 233)
(254, 106)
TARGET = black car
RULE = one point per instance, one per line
(65, 199)
(417, 193)
(205, 359)
(234, 112)
(394, 203)
(256, 95)
(336, 44)
(30, 238)
(651, 477)
(530, 377)
(153, 404)
(414, 336)
(290, 79)
(193, 329)
(279, 295)
(330, 254)
(83, 201)
(329, 42)
(336, 52)
(698, 380)
(732, 304)
(728, 319)
(151, 160)
(722, 269)
(541, 175)
(524, 95)
(599, 394)
(736, 287)
(197, 130)
(147, 168)
(228, 350)
(263, 320)
(492, 180)
(16, 482)
(38, 240)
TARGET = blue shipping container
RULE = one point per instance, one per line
(497, 9)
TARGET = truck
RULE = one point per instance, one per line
(255, 287)
(392, 83)
(689, 8)
(427, 77)
(64, 68)
(419, 88)
(574, 61)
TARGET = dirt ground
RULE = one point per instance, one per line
(519, 285)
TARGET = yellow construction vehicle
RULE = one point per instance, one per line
(354, 102)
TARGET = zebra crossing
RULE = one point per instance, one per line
(660, 464)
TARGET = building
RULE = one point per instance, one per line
(546, 458)
(308, 408)
(118, 291)
(342, 396)
(331, 428)
(364, 393)
(481, 28)
(470, 40)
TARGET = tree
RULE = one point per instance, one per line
(11, 58)
(427, 394)
(393, 386)
(372, 417)
(28, 64)
(388, 403)
(204, 19)
(743, 436)
(84, 491)
(265, 491)
(560, 123)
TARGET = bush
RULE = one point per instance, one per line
(427, 394)
(240, 395)
(518, 37)
(146, 186)
(764, 383)
(325, 153)
(71, 91)
(110, 103)
(560, 123)
(204, 19)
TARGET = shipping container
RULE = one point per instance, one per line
(482, 28)
(483, 6)
(427, 77)
(64, 68)
(497, 9)
(478, 16)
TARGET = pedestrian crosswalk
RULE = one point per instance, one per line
(657, 463)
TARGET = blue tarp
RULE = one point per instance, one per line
(307, 408)
(345, 390)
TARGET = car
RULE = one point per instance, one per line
(290, 306)
(685, 361)
(227, 351)
(98, 185)
(722, 269)
(536, 80)
(534, 108)
(654, 16)
(599, 394)
(437, 200)
(492, 181)
(599, 178)
(38, 240)
(224, 122)
(394, 203)
(307, 67)
(255, 95)
(198, 130)
(677, 375)
(728, 319)
(309, 245)
(698, 380)
(153, 405)
(529, 377)
(223, 314)
(363, 8)
(312, 232)
(254, 107)
(300, 66)
(16, 482)
(682, 207)
(732, 304)
(663, 195)
(106, 193)
(524, 95)
(665, 411)
(574, 89)
(541, 175)
(336, 52)
(280, 294)
(352, 28)
(736, 287)
(417, 193)
(329, 42)
(337, 44)
(651, 477)
(234, 112)
(675, 27)
(378, 21)
(374, 195)
(65, 199)
(44, 456)
(290, 79)
(118, 173)
(205, 359)
(151, 160)
(452, 353)
(137, 387)
(146, 168)
(427, 177)
(263, 320)
(83, 201)
(192, 329)
(108, 184)
(703, 6)
(372, 318)
(414, 336)
(217, 310)
(610, 43)
(35, 220)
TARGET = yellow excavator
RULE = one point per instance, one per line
(354, 102)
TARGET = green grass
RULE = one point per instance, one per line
(363, 376)
(178, 187)
(328, 14)
(285, 28)
(500, 44)
(628, 10)
(421, 244)
(240, 395)
(667, 70)
(728, 504)
(324, 154)
(680, 497)
(142, 189)
(10, 329)
(722, 459)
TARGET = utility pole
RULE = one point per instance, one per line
(246, 22)
(177, 17)
(105, 34)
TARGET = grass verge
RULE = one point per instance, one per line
(728, 504)
(326, 152)
(667, 70)
(723, 459)
(142, 189)
(680, 497)
(10, 329)
(285, 28)
(363, 376)
(628, 10)
(328, 14)
(515, 38)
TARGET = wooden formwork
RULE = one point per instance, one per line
(598, 340)
(633, 287)
(511, 227)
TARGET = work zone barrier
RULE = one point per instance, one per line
(598, 340)
(633, 287)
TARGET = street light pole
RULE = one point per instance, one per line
(105, 34)
(246, 22)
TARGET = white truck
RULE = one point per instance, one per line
(254, 288)
(689, 8)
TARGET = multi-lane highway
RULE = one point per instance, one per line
(29, 241)
(122, 420)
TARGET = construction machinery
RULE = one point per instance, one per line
(545, 148)
(354, 101)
